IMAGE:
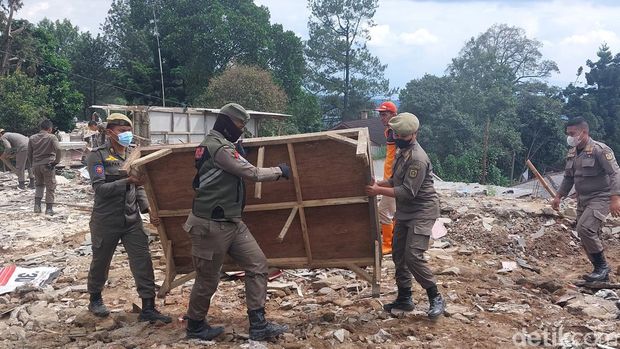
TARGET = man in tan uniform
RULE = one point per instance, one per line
(119, 200)
(592, 168)
(16, 144)
(417, 208)
(44, 154)
(216, 228)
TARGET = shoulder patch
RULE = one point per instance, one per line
(413, 173)
(609, 156)
(199, 152)
(99, 170)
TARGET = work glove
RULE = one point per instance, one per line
(286, 170)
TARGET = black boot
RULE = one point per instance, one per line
(201, 330)
(96, 305)
(403, 301)
(49, 209)
(31, 183)
(260, 329)
(37, 205)
(149, 313)
(601, 269)
(21, 185)
(437, 305)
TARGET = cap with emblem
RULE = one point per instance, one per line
(235, 111)
(118, 119)
(405, 124)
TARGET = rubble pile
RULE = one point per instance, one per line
(506, 267)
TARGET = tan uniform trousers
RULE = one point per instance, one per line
(591, 216)
(387, 207)
(136, 243)
(45, 180)
(211, 241)
(21, 164)
(411, 240)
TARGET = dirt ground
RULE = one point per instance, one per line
(535, 305)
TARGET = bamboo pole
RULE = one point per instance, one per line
(540, 178)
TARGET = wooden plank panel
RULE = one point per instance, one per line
(172, 180)
(265, 227)
(340, 231)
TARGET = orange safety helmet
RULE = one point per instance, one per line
(387, 106)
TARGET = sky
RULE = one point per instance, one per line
(417, 37)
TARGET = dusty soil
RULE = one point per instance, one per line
(487, 308)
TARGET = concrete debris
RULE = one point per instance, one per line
(341, 335)
(484, 228)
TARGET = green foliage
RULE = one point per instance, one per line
(341, 69)
(252, 87)
(23, 103)
(599, 100)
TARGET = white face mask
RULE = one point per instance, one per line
(572, 141)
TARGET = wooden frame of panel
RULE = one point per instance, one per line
(320, 218)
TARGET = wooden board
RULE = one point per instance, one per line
(334, 223)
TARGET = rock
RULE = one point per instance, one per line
(487, 223)
(462, 318)
(17, 333)
(452, 310)
(381, 337)
(607, 294)
(334, 282)
(461, 210)
(548, 211)
(592, 306)
(507, 266)
(255, 345)
(106, 324)
(326, 290)
(441, 244)
(540, 233)
(570, 212)
(42, 315)
(343, 302)
(464, 251)
(615, 230)
(286, 306)
(85, 319)
(329, 316)
(450, 271)
(470, 315)
(341, 335)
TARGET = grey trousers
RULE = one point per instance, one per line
(21, 164)
(411, 239)
(211, 241)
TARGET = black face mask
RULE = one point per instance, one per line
(401, 143)
(227, 127)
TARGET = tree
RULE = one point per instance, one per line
(23, 103)
(10, 7)
(598, 101)
(488, 70)
(199, 40)
(341, 69)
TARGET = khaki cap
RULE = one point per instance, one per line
(404, 124)
(235, 111)
(118, 119)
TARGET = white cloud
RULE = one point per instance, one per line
(419, 37)
(380, 36)
(592, 37)
(37, 10)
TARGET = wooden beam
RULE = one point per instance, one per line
(170, 270)
(288, 223)
(183, 279)
(540, 178)
(151, 157)
(376, 271)
(359, 272)
(342, 139)
(258, 186)
(300, 200)
(362, 150)
(280, 205)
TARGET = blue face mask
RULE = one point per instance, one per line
(125, 138)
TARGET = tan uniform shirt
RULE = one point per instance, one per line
(14, 142)
(594, 171)
(43, 149)
(412, 181)
(117, 203)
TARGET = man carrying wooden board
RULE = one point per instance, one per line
(216, 229)
(417, 208)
